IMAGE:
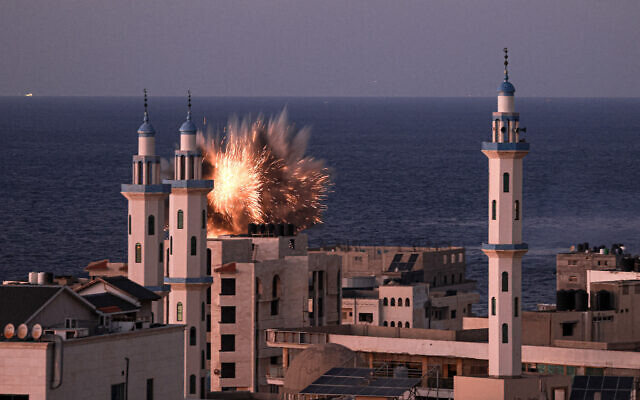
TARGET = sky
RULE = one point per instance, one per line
(427, 48)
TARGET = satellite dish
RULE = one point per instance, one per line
(8, 331)
(36, 331)
(22, 331)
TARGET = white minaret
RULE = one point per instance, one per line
(187, 274)
(146, 218)
(505, 247)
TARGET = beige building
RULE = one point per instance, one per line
(572, 267)
(84, 353)
(261, 283)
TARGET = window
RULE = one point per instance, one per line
(453, 279)
(493, 210)
(150, 389)
(393, 323)
(209, 295)
(192, 382)
(228, 314)
(453, 258)
(407, 303)
(179, 312)
(151, 225)
(445, 279)
(275, 294)
(208, 322)
(129, 224)
(181, 167)
(202, 362)
(180, 219)
(208, 261)
(117, 391)
(516, 307)
(167, 262)
(202, 312)
(516, 210)
(505, 182)
(453, 314)
(365, 317)
(171, 245)
(228, 370)
(445, 259)
(228, 286)
(393, 302)
(385, 301)
(204, 219)
(460, 257)
(406, 324)
(161, 252)
(434, 281)
(385, 323)
(194, 245)
(208, 350)
(227, 342)
(399, 301)
(567, 328)
(140, 173)
(399, 324)
(505, 281)
(202, 385)
(138, 253)
(505, 333)
(493, 306)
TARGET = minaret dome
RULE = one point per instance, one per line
(188, 130)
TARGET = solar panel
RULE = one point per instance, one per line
(333, 372)
(623, 395)
(577, 394)
(397, 257)
(610, 382)
(625, 382)
(580, 382)
(595, 382)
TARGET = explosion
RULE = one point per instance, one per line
(261, 175)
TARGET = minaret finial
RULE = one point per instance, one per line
(146, 113)
(189, 105)
(506, 62)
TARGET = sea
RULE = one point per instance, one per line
(405, 171)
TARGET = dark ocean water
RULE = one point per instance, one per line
(406, 171)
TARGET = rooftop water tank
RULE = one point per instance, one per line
(45, 278)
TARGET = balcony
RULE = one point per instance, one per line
(294, 339)
(275, 375)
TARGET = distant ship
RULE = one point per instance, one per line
(29, 94)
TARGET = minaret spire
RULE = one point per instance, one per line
(189, 105)
(146, 111)
(506, 63)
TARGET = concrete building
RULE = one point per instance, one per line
(439, 266)
(261, 283)
(65, 347)
(572, 267)
(407, 306)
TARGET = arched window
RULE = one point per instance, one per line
(505, 333)
(275, 294)
(182, 167)
(407, 303)
(399, 324)
(493, 210)
(129, 224)
(399, 301)
(453, 279)
(208, 261)
(179, 312)
(209, 295)
(151, 225)
(393, 302)
(505, 281)
(161, 252)
(406, 324)
(192, 336)
(385, 323)
(202, 312)
(190, 163)
(194, 245)
(148, 174)
(202, 364)
(167, 262)
(192, 384)
(516, 307)
(493, 306)
(171, 244)
(393, 323)
(139, 172)
(138, 253)
(180, 219)
(505, 182)
(516, 210)
(385, 301)
(204, 219)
